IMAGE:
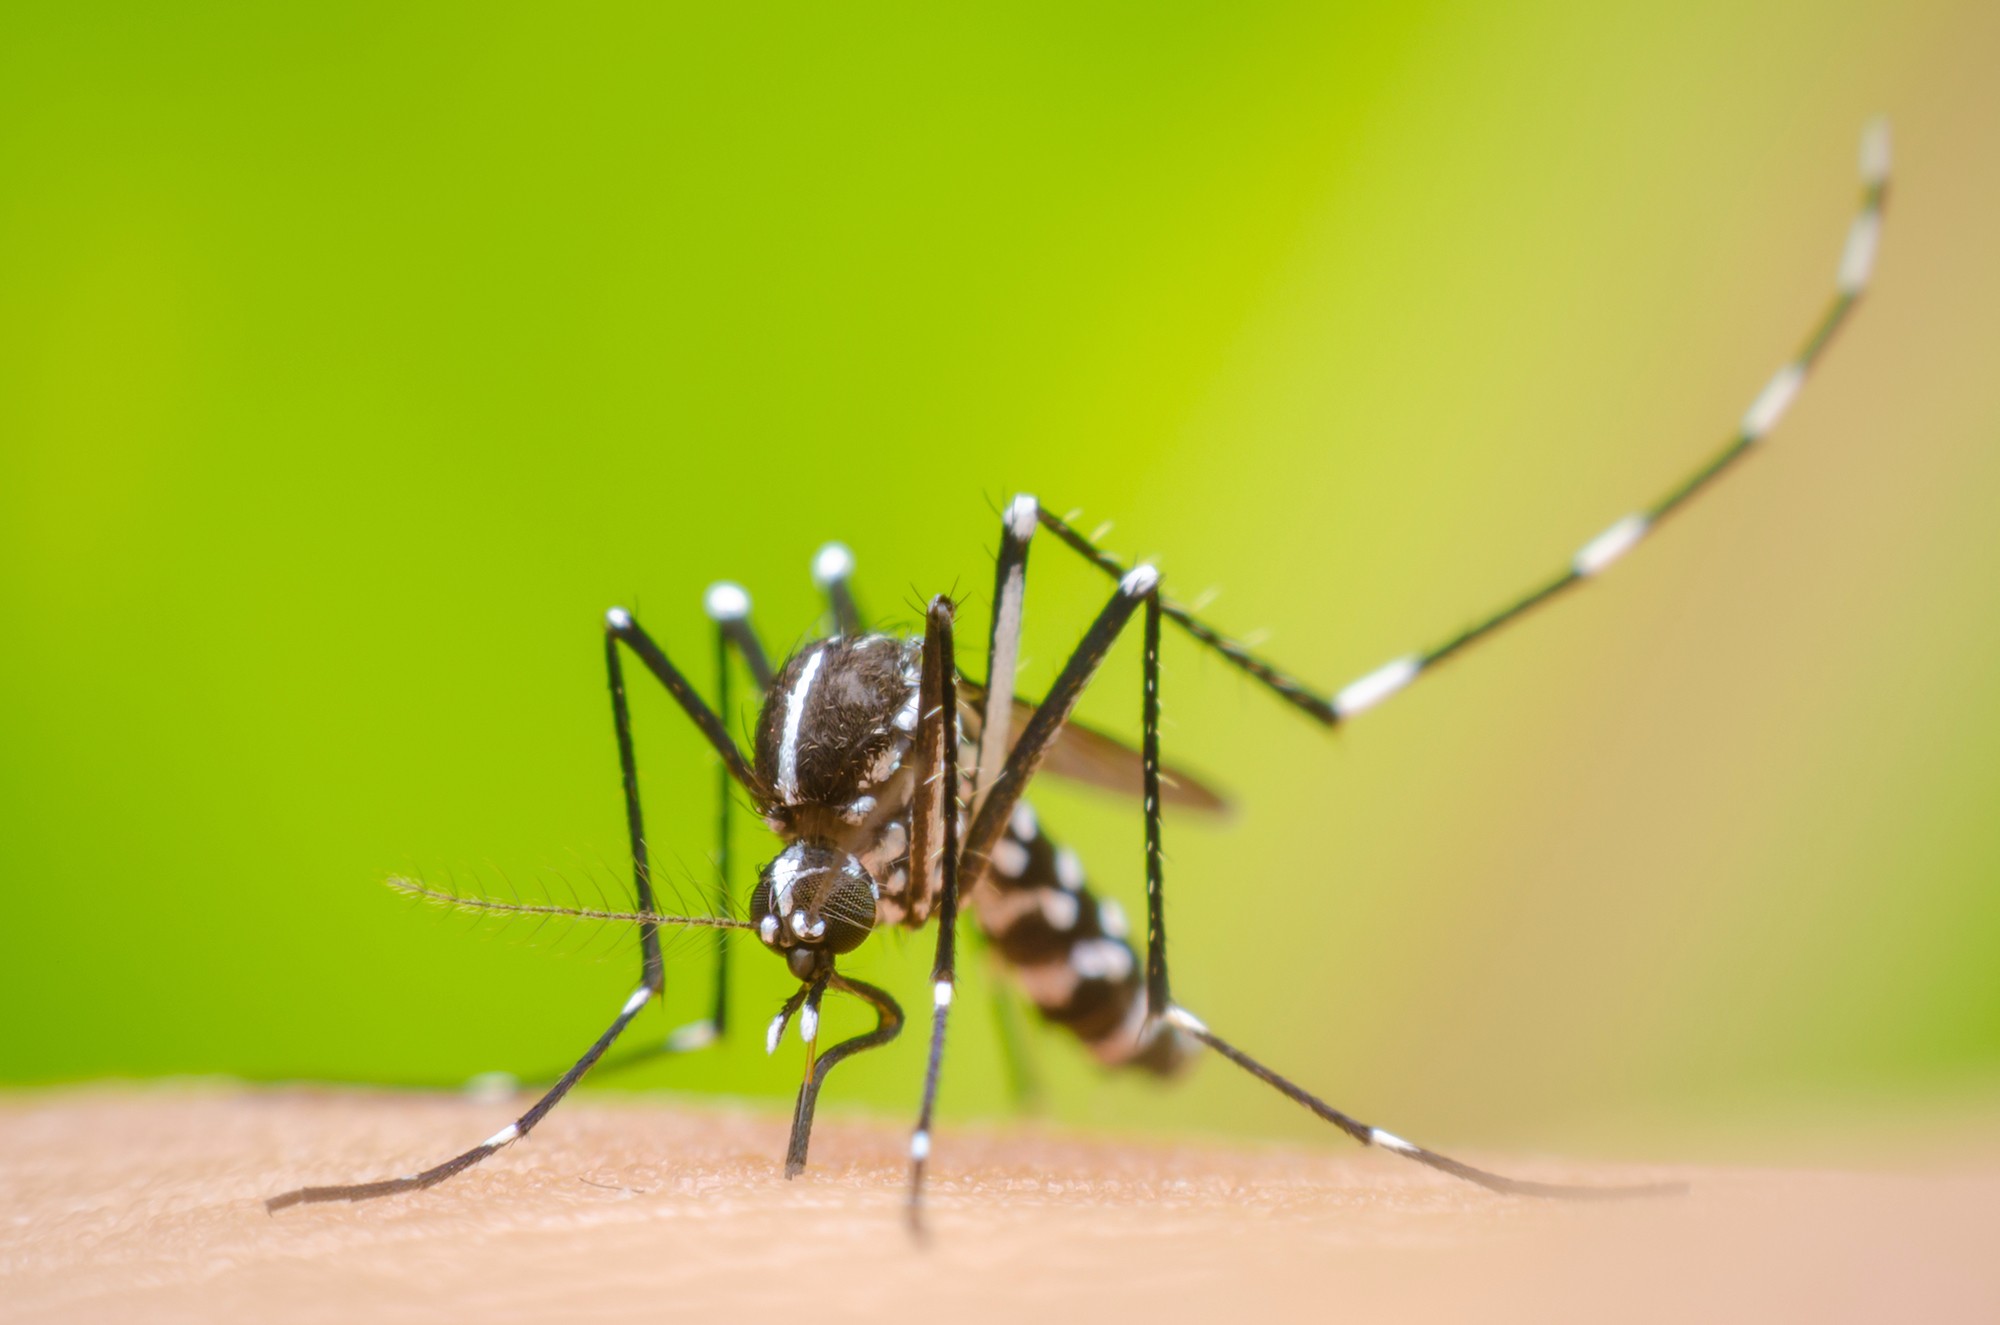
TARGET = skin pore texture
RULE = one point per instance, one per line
(119, 1204)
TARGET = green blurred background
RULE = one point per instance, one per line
(354, 359)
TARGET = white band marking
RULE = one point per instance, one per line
(1364, 694)
(1390, 1141)
(503, 1136)
(920, 1146)
(1010, 858)
(832, 564)
(618, 619)
(726, 602)
(1101, 959)
(1186, 1020)
(941, 994)
(1857, 260)
(1021, 517)
(1139, 581)
(795, 712)
(1610, 545)
(1875, 153)
(637, 1001)
(1772, 402)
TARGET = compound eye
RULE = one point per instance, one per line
(849, 913)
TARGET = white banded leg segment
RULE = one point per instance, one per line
(832, 564)
(1377, 1136)
(1139, 581)
(514, 1131)
(725, 601)
(1772, 402)
(1857, 260)
(1364, 694)
(1390, 1141)
(1003, 651)
(1875, 153)
(1765, 412)
(1598, 554)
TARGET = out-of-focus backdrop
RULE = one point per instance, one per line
(353, 359)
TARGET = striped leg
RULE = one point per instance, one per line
(1041, 731)
(506, 1136)
(935, 808)
(1003, 648)
(728, 606)
(653, 972)
(619, 626)
(1857, 264)
(1182, 1022)
(1189, 1024)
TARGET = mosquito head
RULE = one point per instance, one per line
(813, 903)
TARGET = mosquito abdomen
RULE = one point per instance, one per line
(1068, 949)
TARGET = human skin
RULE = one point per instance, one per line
(120, 1204)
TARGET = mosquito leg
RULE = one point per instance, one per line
(653, 970)
(1003, 648)
(1173, 1017)
(726, 609)
(1004, 792)
(506, 1136)
(888, 1024)
(1599, 553)
(1183, 1020)
(937, 770)
(619, 627)
(833, 566)
(728, 606)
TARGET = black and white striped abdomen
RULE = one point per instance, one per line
(1068, 949)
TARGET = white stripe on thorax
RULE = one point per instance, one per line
(795, 711)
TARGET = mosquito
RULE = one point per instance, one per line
(896, 785)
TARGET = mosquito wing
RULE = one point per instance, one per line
(1084, 754)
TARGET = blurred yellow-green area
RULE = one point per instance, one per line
(354, 359)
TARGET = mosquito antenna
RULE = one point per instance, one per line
(470, 902)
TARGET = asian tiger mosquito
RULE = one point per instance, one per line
(860, 765)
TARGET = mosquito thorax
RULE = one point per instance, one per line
(834, 737)
(812, 903)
